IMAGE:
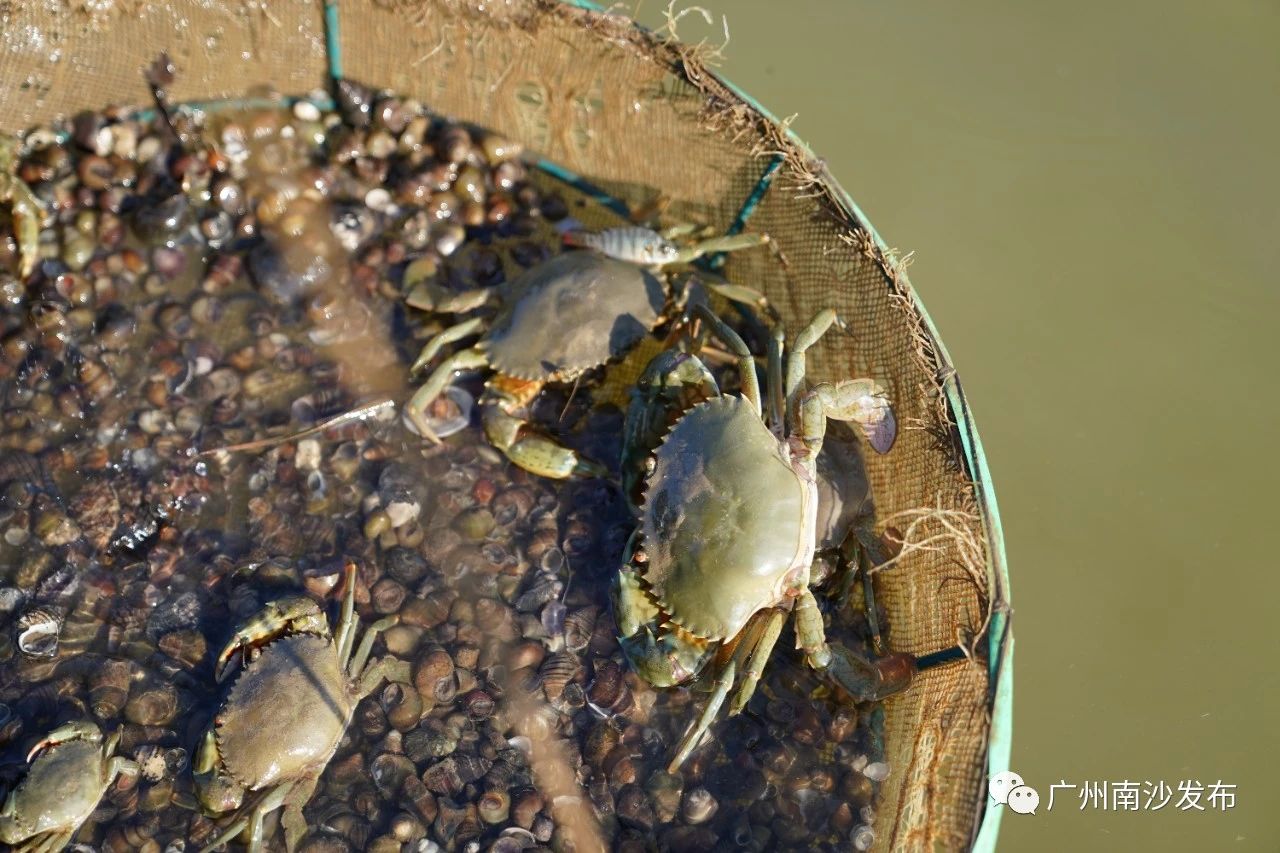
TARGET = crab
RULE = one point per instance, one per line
(283, 717)
(728, 523)
(568, 315)
(70, 769)
(24, 208)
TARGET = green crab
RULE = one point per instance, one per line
(728, 523)
(69, 771)
(560, 319)
(284, 716)
(24, 208)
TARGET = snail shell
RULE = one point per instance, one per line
(699, 805)
(609, 687)
(557, 671)
(494, 806)
(579, 626)
(525, 807)
(108, 684)
(152, 704)
(38, 631)
(443, 778)
(435, 678)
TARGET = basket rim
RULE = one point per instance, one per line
(1000, 639)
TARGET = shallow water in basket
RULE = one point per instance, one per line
(132, 545)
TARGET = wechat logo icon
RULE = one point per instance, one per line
(1008, 789)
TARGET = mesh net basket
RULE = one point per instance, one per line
(611, 106)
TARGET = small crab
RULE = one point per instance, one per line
(70, 769)
(560, 319)
(282, 719)
(24, 208)
(727, 530)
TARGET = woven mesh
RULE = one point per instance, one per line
(637, 117)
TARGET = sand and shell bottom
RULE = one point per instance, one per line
(228, 276)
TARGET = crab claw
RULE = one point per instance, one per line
(220, 667)
(880, 426)
(662, 661)
(870, 680)
(77, 730)
(864, 402)
(295, 614)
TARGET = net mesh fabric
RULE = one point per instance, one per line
(638, 117)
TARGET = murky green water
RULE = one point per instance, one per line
(1090, 191)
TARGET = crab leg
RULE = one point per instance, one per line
(856, 555)
(454, 333)
(727, 243)
(866, 680)
(291, 818)
(433, 297)
(25, 211)
(812, 417)
(811, 636)
(777, 403)
(120, 765)
(238, 826)
(416, 408)
(744, 296)
(678, 230)
(383, 668)
(807, 337)
(870, 553)
(690, 740)
(631, 608)
(345, 638)
(50, 842)
(757, 657)
(754, 646)
(746, 361)
(508, 432)
(366, 643)
(252, 822)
